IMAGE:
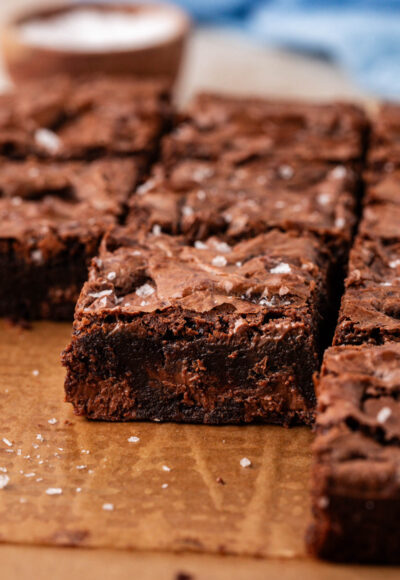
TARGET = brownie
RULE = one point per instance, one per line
(52, 217)
(237, 129)
(210, 333)
(385, 136)
(83, 118)
(356, 456)
(202, 198)
(370, 309)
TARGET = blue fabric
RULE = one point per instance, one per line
(361, 35)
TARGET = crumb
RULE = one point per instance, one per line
(220, 480)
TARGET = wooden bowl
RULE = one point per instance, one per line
(26, 61)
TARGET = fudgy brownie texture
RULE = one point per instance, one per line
(355, 478)
(206, 334)
(199, 198)
(81, 119)
(52, 217)
(385, 137)
(237, 129)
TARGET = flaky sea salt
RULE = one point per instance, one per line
(383, 415)
(108, 507)
(339, 172)
(145, 290)
(54, 491)
(282, 268)
(7, 442)
(200, 245)
(35, 373)
(245, 462)
(48, 140)
(286, 171)
(100, 294)
(111, 276)
(52, 421)
(37, 256)
(219, 261)
(100, 30)
(4, 480)
(166, 468)
(133, 439)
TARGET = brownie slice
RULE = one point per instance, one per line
(84, 118)
(355, 478)
(238, 129)
(385, 137)
(213, 333)
(370, 309)
(52, 217)
(198, 198)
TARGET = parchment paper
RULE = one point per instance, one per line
(164, 489)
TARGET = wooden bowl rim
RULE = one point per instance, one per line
(46, 10)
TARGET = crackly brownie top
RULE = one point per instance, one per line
(381, 221)
(80, 118)
(199, 198)
(358, 423)
(369, 314)
(273, 272)
(383, 186)
(385, 136)
(374, 262)
(36, 196)
(239, 128)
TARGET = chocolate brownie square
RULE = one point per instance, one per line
(52, 217)
(210, 333)
(83, 118)
(238, 129)
(198, 198)
(355, 478)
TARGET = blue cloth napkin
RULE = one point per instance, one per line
(361, 35)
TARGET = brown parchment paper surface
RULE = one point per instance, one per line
(262, 510)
